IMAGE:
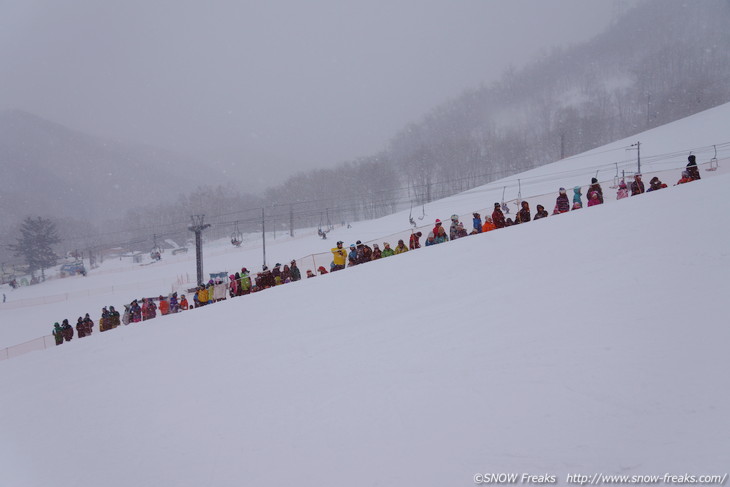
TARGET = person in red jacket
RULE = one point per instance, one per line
(414, 241)
(498, 216)
(436, 227)
(183, 302)
(685, 178)
(164, 306)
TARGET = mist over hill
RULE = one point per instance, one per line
(80, 180)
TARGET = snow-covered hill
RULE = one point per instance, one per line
(31, 311)
(591, 342)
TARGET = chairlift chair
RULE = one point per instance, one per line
(505, 208)
(236, 236)
(156, 252)
(713, 162)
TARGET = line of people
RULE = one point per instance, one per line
(241, 283)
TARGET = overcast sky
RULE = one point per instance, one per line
(290, 84)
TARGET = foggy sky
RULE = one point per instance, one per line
(267, 87)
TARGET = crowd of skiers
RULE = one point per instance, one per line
(242, 283)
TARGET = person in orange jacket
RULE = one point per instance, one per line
(164, 306)
(183, 303)
(488, 225)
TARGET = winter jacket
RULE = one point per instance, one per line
(498, 218)
(366, 254)
(655, 184)
(174, 305)
(441, 237)
(430, 240)
(576, 198)
(135, 312)
(540, 214)
(353, 258)
(637, 187)
(245, 283)
(593, 201)
(58, 333)
(295, 274)
(399, 249)
(67, 331)
(413, 242)
(488, 227)
(183, 303)
(149, 310)
(387, 252)
(377, 254)
(340, 256)
(265, 279)
(233, 285)
(89, 324)
(692, 169)
(454, 230)
(685, 179)
(276, 272)
(80, 328)
(523, 216)
(477, 224)
(164, 307)
(115, 319)
(562, 205)
(597, 188)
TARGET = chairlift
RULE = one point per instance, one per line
(320, 232)
(156, 252)
(330, 226)
(236, 236)
(423, 211)
(505, 208)
(519, 194)
(410, 217)
(713, 162)
(616, 179)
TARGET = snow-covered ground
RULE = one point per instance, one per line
(591, 342)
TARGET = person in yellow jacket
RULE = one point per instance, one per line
(202, 295)
(400, 248)
(339, 257)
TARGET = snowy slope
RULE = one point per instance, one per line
(589, 342)
(31, 311)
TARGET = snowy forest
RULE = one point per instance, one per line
(658, 62)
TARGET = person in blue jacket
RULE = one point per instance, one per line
(352, 257)
(477, 222)
(577, 202)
